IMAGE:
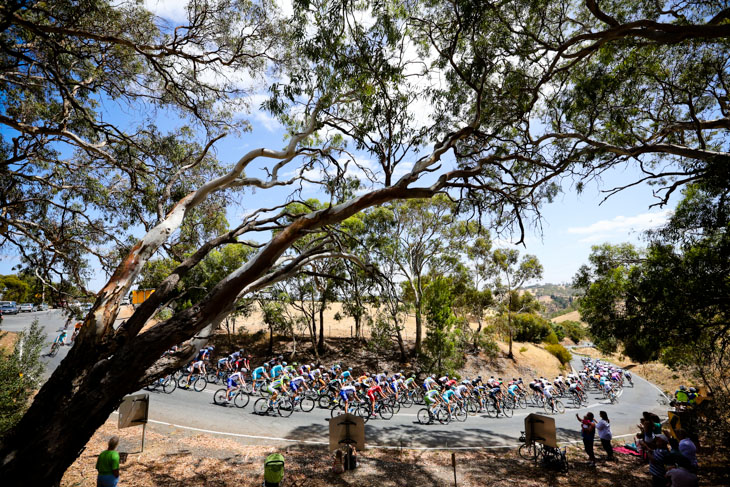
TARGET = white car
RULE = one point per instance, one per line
(25, 308)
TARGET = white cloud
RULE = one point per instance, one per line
(175, 10)
(620, 226)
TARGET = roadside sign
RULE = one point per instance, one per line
(347, 429)
(540, 429)
(134, 410)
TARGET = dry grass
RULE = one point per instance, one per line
(178, 460)
(572, 316)
(667, 379)
(7, 340)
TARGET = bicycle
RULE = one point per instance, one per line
(425, 416)
(282, 406)
(382, 409)
(528, 451)
(553, 406)
(54, 349)
(168, 384)
(240, 398)
(305, 402)
(196, 380)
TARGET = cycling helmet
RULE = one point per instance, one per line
(682, 388)
(295, 364)
(692, 389)
(266, 365)
(285, 378)
(280, 357)
(283, 364)
(349, 369)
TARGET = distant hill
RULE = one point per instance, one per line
(556, 299)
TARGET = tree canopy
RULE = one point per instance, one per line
(490, 105)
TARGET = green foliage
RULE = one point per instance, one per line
(530, 327)
(442, 347)
(523, 349)
(20, 375)
(12, 288)
(551, 338)
(559, 331)
(560, 352)
(574, 330)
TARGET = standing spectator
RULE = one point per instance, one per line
(588, 432)
(680, 475)
(108, 465)
(657, 456)
(688, 450)
(604, 433)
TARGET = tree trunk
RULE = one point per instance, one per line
(357, 319)
(419, 327)
(271, 339)
(320, 343)
(509, 329)
(476, 334)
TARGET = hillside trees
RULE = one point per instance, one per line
(439, 98)
(511, 273)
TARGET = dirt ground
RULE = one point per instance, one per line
(7, 340)
(667, 379)
(180, 460)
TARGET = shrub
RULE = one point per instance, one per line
(530, 328)
(523, 349)
(551, 338)
(560, 352)
(574, 330)
(20, 375)
(559, 331)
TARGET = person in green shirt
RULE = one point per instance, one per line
(108, 465)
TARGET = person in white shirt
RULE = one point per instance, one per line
(604, 433)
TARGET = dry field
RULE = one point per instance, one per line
(7, 340)
(180, 460)
(572, 316)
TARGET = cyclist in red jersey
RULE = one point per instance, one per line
(372, 390)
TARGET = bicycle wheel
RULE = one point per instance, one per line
(261, 406)
(182, 382)
(559, 408)
(241, 399)
(423, 416)
(385, 411)
(472, 406)
(306, 404)
(54, 350)
(324, 402)
(285, 407)
(418, 397)
(507, 411)
(220, 397)
(364, 412)
(443, 416)
(394, 406)
(406, 400)
(522, 402)
(528, 451)
(337, 410)
(200, 383)
(169, 384)
(248, 388)
(211, 377)
(549, 408)
(460, 414)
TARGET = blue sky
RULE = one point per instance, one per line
(570, 225)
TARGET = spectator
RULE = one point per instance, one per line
(657, 456)
(588, 432)
(680, 475)
(604, 433)
(688, 450)
(108, 465)
(338, 466)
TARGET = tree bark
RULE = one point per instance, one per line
(419, 328)
(320, 342)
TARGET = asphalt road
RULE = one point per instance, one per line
(195, 412)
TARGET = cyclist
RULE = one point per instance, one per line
(374, 388)
(234, 382)
(432, 398)
(61, 338)
(449, 396)
(297, 383)
(260, 374)
(198, 366)
(346, 393)
(273, 388)
(430, 383)
(277, 370)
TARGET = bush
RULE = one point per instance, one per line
(574, 330)
(530, 328)
(552, 338)
(523, 349)
(560, 352)
(559, 331)
(20, 375)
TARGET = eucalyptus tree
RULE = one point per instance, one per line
(418, 99)
(511, 274)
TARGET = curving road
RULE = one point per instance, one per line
(196, 412)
